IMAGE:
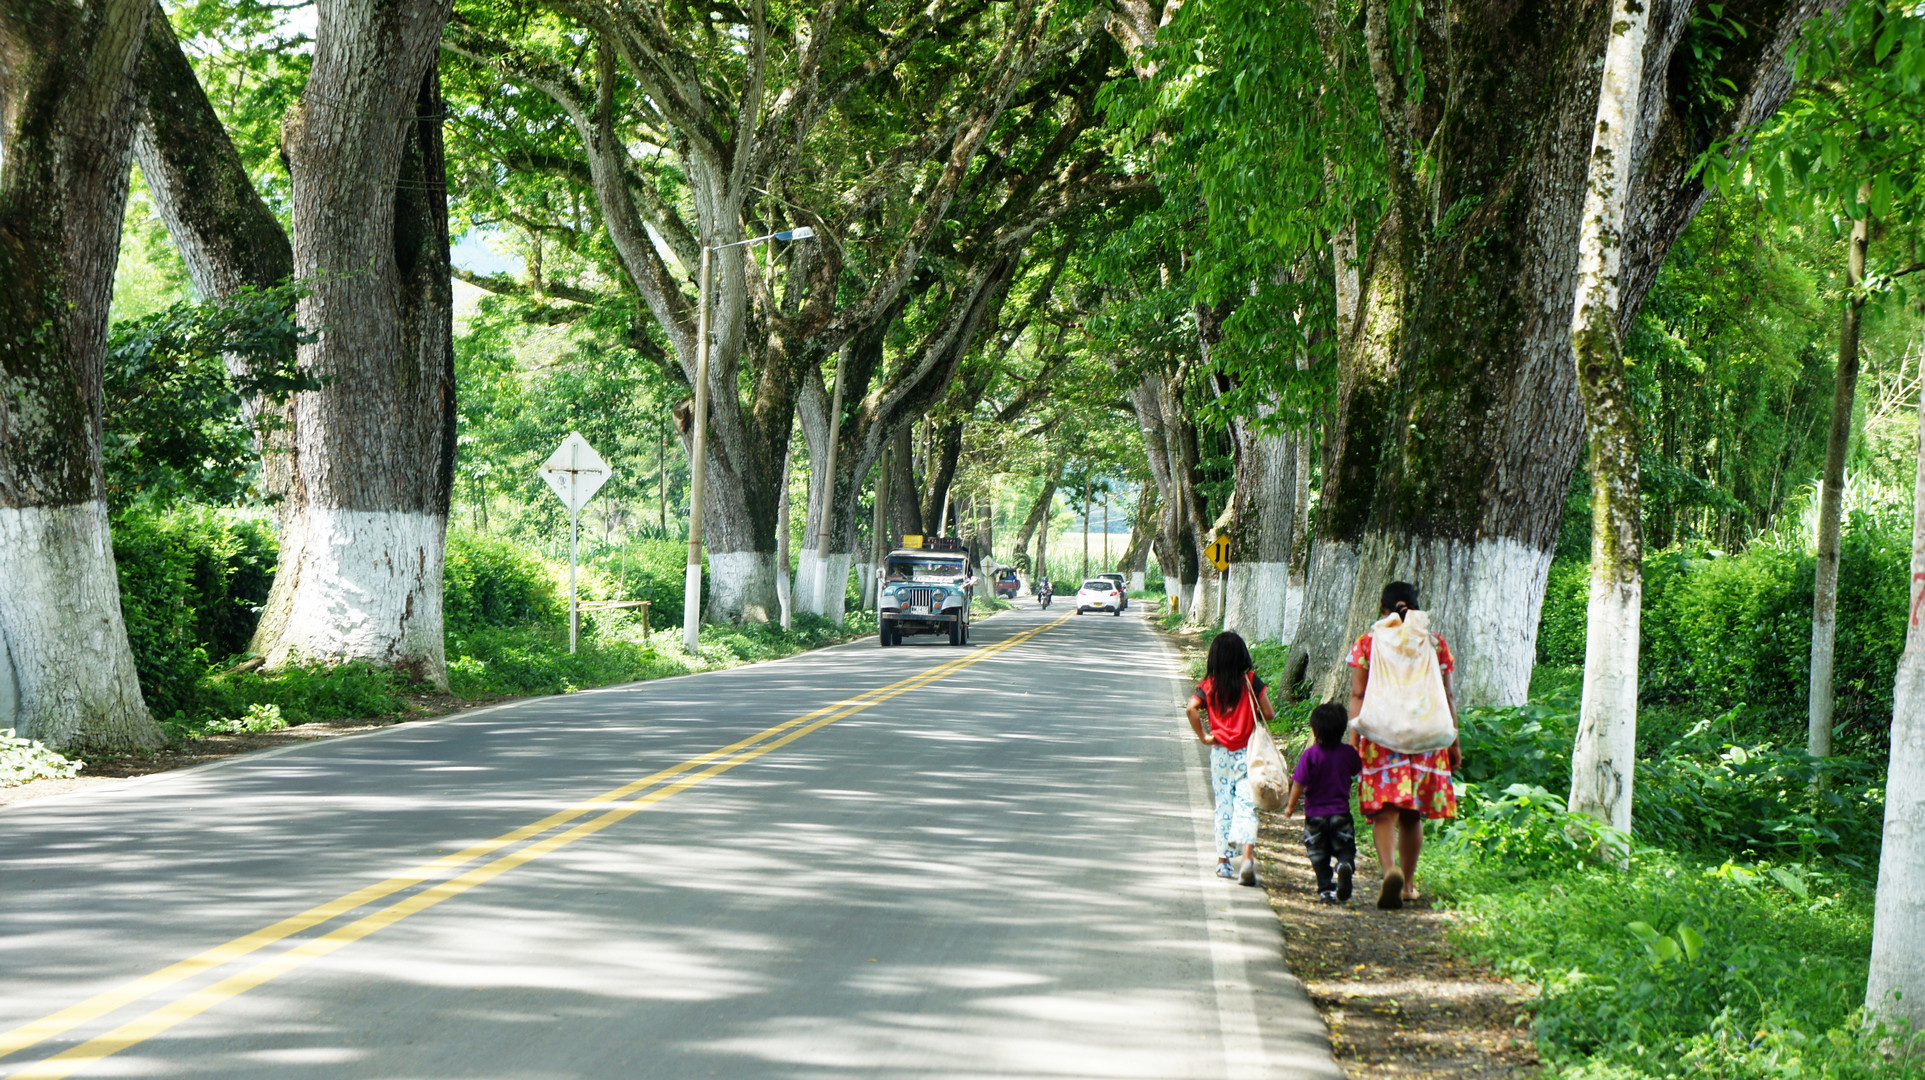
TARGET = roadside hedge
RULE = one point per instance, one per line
(1727, 630)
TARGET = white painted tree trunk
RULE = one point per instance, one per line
(1206, 599)
(742, 584)
(67, 104)
(1831, 498)
(1139, 580)
(370, 456)
(366, 586)
(866, 582)
(1483, 597)
(783, 594)
(1896, 985)
(1262, 533)
(66, 672)
(1259, 600)
(1604, 758)
(809, 585)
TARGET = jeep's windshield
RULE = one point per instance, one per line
(924, 568)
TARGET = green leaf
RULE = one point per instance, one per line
(1881, 205)
(1643, 932)
(1693, 942)
(1792, 883)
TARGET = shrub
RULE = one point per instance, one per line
(651, 569)
(1722, 630)
(1665, 970)
(1700, 794)
(1527, 827)
(489, 581)
(22, 760)
(192, 580)
(258, 718)
(301, 696)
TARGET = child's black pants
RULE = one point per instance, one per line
(1332, 842)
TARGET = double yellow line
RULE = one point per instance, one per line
(657, 786)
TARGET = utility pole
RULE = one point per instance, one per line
(1086, 509)
(1106, 530)
(873, 587)
(823, 591)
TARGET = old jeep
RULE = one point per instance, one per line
(926, 588)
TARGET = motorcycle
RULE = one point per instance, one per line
(1043, 594)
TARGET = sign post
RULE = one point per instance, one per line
(1219, 555)
(576, 472)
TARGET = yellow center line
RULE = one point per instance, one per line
(191, 1005)
(47, 1027)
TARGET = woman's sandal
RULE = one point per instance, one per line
(1391, 896)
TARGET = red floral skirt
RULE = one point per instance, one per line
(1419, 782)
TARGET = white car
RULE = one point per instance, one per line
(1099, 594)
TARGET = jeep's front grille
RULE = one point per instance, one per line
(919, 597)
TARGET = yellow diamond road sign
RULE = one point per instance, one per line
(1219, 553)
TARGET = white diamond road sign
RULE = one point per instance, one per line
(575, 471)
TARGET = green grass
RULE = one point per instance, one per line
(1733, 940)
(1773, 989)
(511, 661)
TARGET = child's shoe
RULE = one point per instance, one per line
(1329, 896)
(1223, 869)
(1247, 871)
(1344, 871)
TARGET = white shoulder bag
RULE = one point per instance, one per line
(1405, 708)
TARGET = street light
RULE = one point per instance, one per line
(698, 451)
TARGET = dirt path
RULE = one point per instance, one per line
(1396, 999)
(1397, 1002)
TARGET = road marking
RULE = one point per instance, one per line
(159, 1020)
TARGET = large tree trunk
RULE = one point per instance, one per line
(1174, 554)
(1136, 557)
(905, 492)
(824, 493)
(1259, 602)
(225, 233)
(1896, 986)
(1457, 424)
(1603, 760)
(945, 452)
(1045, 499)
(66, 131)
(1831, 498)
(371, 459)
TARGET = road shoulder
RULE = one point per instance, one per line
(1270, 1026)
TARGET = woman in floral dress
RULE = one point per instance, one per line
(1400, 790)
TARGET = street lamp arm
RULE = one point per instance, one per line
(801, 232)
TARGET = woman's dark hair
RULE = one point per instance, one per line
(1226, 665)
(1399, 596)
(1328, 722)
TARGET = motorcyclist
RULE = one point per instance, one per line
(1044, 590)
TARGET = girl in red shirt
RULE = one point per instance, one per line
(1232, 698)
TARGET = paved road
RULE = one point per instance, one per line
(917, 862)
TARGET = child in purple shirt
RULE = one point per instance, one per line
(1322, 782)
